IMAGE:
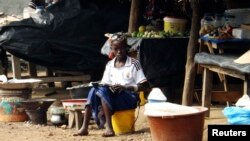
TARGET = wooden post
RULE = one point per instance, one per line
(16, 70)
(134, 15)
(206, 89)
(32, 70)
(246, 87)
(49, 73)
(188, 89)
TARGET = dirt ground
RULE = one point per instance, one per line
(25, 131)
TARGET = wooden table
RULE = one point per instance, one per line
(32, 71)
(213, 45)
(222, 45)
(208, 82)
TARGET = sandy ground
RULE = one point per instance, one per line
(24, 131)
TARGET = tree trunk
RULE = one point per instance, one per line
(188, 89)
(134, 15)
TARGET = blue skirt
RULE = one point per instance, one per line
(124, 100)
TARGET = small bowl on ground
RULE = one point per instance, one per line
(74, 103)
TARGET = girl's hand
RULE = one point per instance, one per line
(118, 88)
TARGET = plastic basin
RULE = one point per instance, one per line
(78, 103)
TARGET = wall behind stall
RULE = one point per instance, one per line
(15, 7)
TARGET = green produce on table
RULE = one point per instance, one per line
(157, 34)
(150, 28)
(140, 34)
(134, 34)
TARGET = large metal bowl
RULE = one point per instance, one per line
(34, 104)
(16, 84)
(80, 91)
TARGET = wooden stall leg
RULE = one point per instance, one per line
(71, 120)
(206, 89)
(16, 70)
(32, 70)
(78, 119)
(50, 73)
(246, 88)
(224, 81)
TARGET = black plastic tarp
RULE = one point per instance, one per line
(68, 38)
(223, 61)
(163, 61)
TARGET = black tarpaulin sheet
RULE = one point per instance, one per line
(222, 60)
(163, 61)
(70, 40)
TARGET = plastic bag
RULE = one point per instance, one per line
(243, 101)
(156, 95)
(237, 115)
(105, 50)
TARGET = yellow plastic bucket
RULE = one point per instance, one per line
(142, 98)
(123, 121)
(174, 25)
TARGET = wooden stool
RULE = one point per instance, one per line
(75, 117)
